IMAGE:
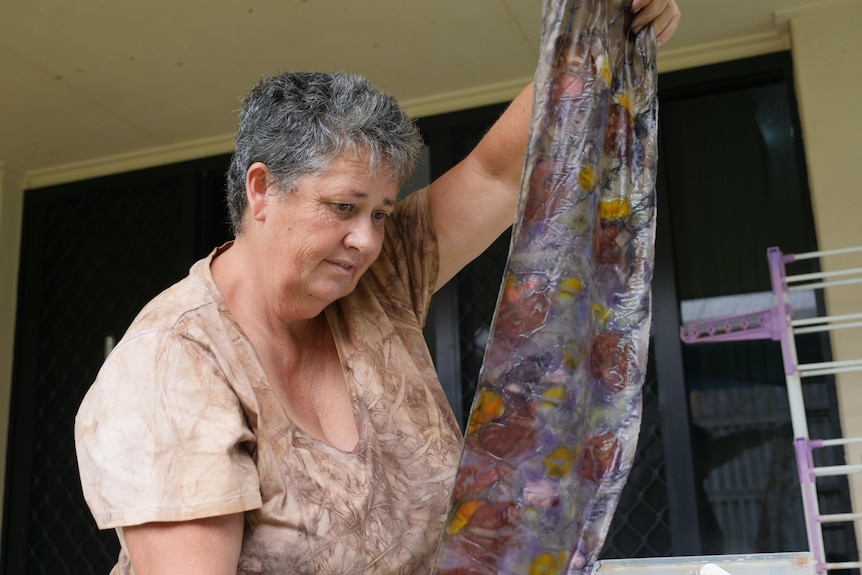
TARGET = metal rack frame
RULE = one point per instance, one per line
(777, 323)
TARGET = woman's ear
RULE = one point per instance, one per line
(257, 179)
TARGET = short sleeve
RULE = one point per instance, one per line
(410, 251)
(161, 436)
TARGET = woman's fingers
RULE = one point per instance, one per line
(663, 14)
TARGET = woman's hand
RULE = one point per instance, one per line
(208, 546)
(663, 14)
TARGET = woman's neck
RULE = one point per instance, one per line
(268, 316)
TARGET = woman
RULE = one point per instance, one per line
(277, 410)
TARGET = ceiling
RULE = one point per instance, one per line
(88, 80)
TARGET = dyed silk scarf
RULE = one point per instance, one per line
(553, 427)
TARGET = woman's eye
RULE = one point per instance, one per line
(381, 216)
(344, 208)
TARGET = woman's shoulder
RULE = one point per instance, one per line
(412, 217)
(191, 300)
(409, 261)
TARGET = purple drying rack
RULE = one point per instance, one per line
(776, 323)
(771, 323)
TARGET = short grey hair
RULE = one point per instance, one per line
(296, 123)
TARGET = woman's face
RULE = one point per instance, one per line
(322, 236)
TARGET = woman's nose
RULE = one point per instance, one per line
(363, 235)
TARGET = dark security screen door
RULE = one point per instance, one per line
(735, 184)
(93, 253)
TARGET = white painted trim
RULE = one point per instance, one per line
(465, 99)
(671, 59)
(128, 162)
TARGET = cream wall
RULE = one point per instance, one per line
(11, 203)
(827, 52)
(827, 56)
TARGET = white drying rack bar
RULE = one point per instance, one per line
(777, 323)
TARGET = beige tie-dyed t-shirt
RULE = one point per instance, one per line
(181, 424)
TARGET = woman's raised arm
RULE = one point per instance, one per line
(474, 202)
